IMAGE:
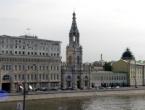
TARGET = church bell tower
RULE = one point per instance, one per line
(74, 49)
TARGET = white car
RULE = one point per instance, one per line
(109, 87)
(117, 87)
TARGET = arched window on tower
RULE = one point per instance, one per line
(74, 39)
(70, 60)
(78, 60)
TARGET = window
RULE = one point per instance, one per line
(19, 77)
(46, 76)
(43, 76)
(57, 67)
(10, 52)
(15, 77)
(70, 60)
(31, 76)
(6, 77)
(39, 76)
(23, 77)
(28, 78)
(15, 67)
(35, 76)
(51, 77)
(78, 60)
(19, 67)
(2, 51)
(57, 77)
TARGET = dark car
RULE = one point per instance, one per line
(44, 89)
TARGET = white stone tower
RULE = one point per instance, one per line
(74, 54)
(74, 49)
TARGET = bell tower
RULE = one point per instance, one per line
(74, 49)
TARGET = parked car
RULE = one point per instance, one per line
(43, 89)
(36, 89)
(117, 87)
(100, 87)
(109, 87)
(54, 88)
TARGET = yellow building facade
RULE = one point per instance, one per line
(134, 70)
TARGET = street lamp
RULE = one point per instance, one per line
(135, 77)
(23, 88)
(24, 94)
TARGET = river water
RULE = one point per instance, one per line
(93, 103)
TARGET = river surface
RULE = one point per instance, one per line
(93, 103)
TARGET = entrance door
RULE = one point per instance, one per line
(6, 87)
(79, 84)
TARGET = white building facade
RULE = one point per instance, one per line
(108, 79)
(30, 59)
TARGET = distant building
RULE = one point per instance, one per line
(108, 79)
(75, 74)
(135, 70)
(98, 66)
(37, 61)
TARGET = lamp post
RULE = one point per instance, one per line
(24, 94)
(23, 104)
(23, 88)
(135, 77)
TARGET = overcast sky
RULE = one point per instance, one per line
(105, 26)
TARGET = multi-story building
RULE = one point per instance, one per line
(30, 59)
(135, 70)
(107, 79)
(75, 74)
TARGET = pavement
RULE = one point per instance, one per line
(78, 90)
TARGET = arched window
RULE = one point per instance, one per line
(70, 60)
(74, 38)
(78, 60)
(78, 77)
(6, 77)
(86, 81)
(68, 77)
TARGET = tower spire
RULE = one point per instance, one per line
(74, 17)
(74, 29)
(74, 33)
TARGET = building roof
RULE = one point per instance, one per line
(28, 37)
(127, 55)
